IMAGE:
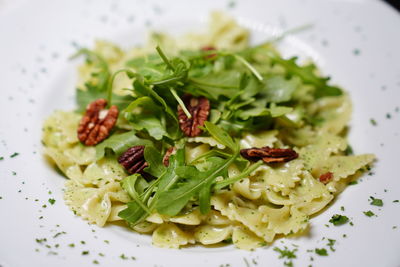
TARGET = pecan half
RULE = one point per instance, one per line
(269, 155)
(96, 124)
(170, 151)
(133, 160)
(199, 108)
(326, 177)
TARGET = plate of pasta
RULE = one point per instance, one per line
(245, 134)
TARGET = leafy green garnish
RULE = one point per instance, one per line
(145, 115)
(331, 243)
(286, 253)
(135, 212)
(221, 136)
(369, 213)
(376, 201)
(338, 219)
(154, 159)
(249, 90)
(321, 251)
(308, 75)
(98, 86)
(171, 202)
(119, 143)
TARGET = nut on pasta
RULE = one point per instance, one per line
(199, 108)
(269, 155)
(97, 122)
(133, 160)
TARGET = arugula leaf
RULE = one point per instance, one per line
(151, 67)
(84, 97)
(308, 76)
(129, 185)
(102, 75)
(278, 89)
(135, 213)
(225, 83)
(97, 87)
(119, 143)
(155, 160)
(179, 73)
(168, 179)
(172, 201)
(221, 136)
(144, 114)
(173, 125)
(136, 210)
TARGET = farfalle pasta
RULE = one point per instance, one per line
(199, 188)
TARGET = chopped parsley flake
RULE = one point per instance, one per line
(95, 262)
(286, 253)
(396, 201)
(369, 213)
(349, 150)
(83, 242)
(85, 252)
(342, 208)
(321, 251)
(122, 256)
(338, 219)
(373, 122)
(41, 240)
(331, 243)
(353, 183)
(58, 234)
(52, 201)
(72, 245)
(376, 201)
(14, 155)
(1, 158)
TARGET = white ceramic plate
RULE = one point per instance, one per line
(355, 41)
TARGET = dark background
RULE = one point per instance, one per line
(394, 3)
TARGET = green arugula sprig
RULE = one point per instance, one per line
(180, 183)
(247, 92)
(100, 83)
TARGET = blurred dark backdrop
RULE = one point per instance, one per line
(394, 3)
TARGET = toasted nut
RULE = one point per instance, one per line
(269, 155)
(199, 108)
(133, 160)
(97, 122)
(326, 177)
(170, 151)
